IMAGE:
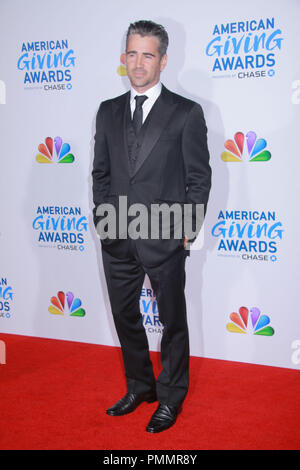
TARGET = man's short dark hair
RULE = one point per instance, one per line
(149, 28)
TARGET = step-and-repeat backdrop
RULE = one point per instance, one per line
(240, 61)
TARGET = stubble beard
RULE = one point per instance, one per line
(143, 82)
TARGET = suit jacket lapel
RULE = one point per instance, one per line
(159, 116)
(120, 109)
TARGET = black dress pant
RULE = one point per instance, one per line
(125, 278)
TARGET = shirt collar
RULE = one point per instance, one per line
(152, 93)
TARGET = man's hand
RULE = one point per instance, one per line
(185, 241)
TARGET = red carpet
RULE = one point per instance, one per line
(54, 395)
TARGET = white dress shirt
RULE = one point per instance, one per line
(153, 93)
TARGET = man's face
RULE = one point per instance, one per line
(143, 62)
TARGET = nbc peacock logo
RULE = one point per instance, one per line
(254, 323)
(54, 151)
(246, 148)
(66, 303)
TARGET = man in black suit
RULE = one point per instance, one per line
(150, 146)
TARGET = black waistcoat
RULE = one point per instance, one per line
(134, 142)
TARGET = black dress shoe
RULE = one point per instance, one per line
(130, 402)
(163, 418)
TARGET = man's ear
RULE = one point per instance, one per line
(123, 58)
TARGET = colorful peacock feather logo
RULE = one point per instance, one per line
(66, 302)
(256, 323)
(254, 148)
(62, 151)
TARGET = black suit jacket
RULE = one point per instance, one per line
(173, 165)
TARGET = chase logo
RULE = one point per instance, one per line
(61, 227)
(61, 155)
(66, 303)
(245, 49)
(249, 149)
(6, 298)
(255, 323)
(47, 65)
(2, 92)
(250, 235)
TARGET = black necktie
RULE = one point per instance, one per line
(137, 119)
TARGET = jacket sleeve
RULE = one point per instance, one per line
(101, 166)
(196, 163)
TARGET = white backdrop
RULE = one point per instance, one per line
(240, 61)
